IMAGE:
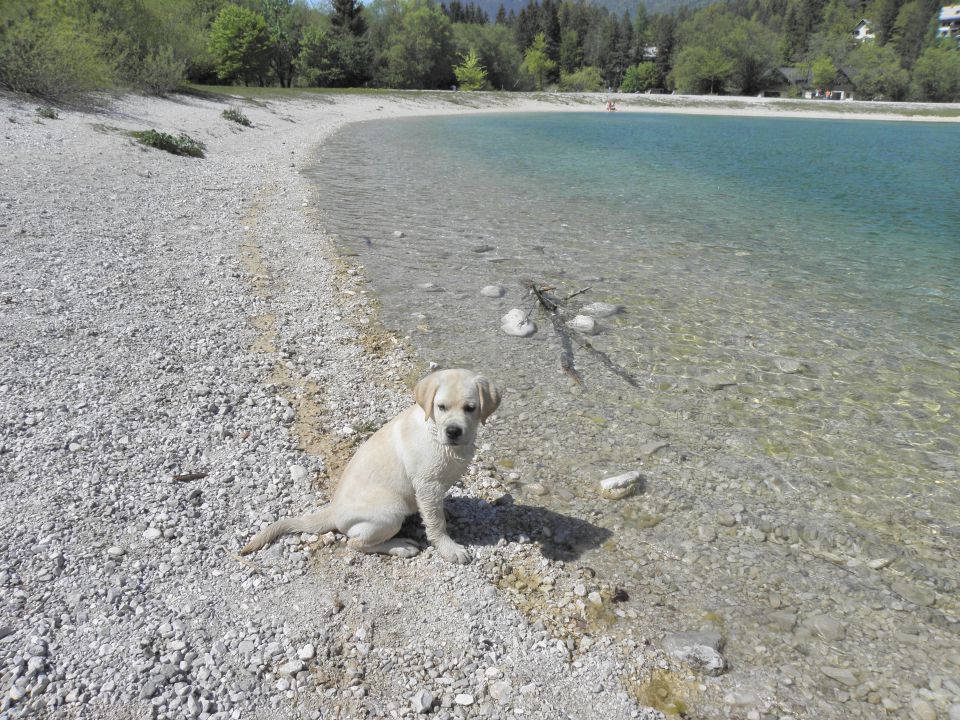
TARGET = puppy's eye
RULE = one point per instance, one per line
(469, 407)
(441, 407)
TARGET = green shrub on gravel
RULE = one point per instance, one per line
(236, 116)
(182, 144)
(47, 112)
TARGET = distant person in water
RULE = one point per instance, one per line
(610, 106)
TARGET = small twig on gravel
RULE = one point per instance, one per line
(187, 477)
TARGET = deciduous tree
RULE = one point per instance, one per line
(240, 45)
(936, 74)
(640, 78)
(420, 47)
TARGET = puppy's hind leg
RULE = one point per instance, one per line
(378, 537)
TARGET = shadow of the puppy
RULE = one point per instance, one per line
(474, 521)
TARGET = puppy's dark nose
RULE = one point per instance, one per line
(454, 432)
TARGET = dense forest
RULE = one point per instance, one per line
(54, 48)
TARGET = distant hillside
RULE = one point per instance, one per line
(615, 6)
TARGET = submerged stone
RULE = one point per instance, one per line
(699, 650)
(619, 486)
(601, 309)
(584, 324)
(517, 323)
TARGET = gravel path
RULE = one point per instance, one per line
(182, 359)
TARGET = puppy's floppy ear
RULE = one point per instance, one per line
(424, 392)
(489, 398)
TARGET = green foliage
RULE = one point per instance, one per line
(56, 48)
(286, 21)
(332, 57)
(586, 79)
(640, 78)
(160, 72)
(419, 47)
(45, 111)
(913, 30)
(49, 52)
(731, 53)
(875, 72)
(234, 115)
(701, 70)
(536, 62)
(496, 49)
(348, 17)
(571, 53)
(936, 74)
(824, 72)
(471, 75)
(181, 144)
(239, 44)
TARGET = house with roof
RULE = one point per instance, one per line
(949, 25)
(863, 31)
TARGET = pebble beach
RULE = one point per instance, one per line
(184, 358)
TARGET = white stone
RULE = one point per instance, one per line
(584, 324)
(291, 667)
(398, 233)
(298, 473)
(923, 710)
(307, 652)
(601, 309)
(151, 534)
(493, 291)
(463, 699)
(517, 323)
(422, 702)
(500, 691)
(619, 481)
(788, 365)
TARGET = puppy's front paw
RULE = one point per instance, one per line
(454, 552)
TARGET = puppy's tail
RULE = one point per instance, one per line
(319, 522)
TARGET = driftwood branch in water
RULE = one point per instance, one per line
(553, 307)
(567, 336)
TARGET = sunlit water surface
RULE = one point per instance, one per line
(791, 331)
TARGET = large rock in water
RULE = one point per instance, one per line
(517, 323)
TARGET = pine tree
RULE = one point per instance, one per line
(348, 16)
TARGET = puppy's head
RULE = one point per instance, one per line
(456, 402)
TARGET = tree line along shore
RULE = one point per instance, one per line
(873, 49)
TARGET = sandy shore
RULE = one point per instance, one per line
(182, 358)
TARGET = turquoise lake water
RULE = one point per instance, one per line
(791, 327)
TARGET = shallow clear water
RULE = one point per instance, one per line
(791, 325)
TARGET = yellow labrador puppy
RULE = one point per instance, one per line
(406, 466)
